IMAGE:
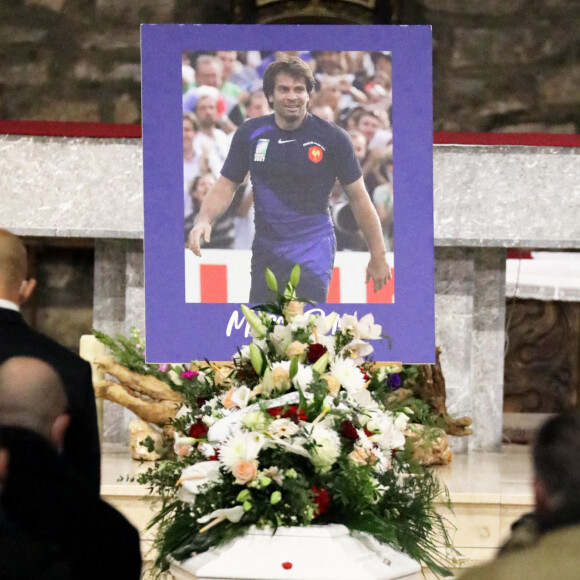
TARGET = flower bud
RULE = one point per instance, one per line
(256, 358)
(275, 497)
(244, 495)
(247, 505)
(295, 275)
(265, 481)
(253, 321)
(271, 280)
(293, 370)
(320, 365)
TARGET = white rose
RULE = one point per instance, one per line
(327, 448)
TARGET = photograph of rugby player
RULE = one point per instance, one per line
(289, 154)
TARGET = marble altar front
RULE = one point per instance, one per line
(486, 199)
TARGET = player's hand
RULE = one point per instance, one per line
(378, 271)
(199, 230)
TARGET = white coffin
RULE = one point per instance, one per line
(300, 553)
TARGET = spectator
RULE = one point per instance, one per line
(191, 161)
(329, 62)
(546, 544)
(210, 140)
(257, 104)
(360, 145)
(324, 112)
(223, 231)
(235, 71)
(51, 525)
(197, 159)
(372, 124)
(187, 73)
(81, 443)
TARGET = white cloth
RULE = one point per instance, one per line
(9, 305)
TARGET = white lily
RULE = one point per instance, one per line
(195, 476)
(234, 515)
(241, 397)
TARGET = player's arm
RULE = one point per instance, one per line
(214, 205)
(368, 222)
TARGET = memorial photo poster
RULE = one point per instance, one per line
(200, 83)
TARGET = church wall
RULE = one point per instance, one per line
(498, 66)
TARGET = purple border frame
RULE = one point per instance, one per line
(180, 332)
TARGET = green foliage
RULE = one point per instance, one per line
(317, 453)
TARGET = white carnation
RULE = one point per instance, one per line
(303, 377)
(348, 375)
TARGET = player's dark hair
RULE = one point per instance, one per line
(287, 65)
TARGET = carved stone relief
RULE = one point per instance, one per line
(542, 356)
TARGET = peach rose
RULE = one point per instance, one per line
(292, 309)
(333, 384)
(296, 348)
(220, 378)
(362, 456)
(281, 378)
(182, 450)
(245, 471)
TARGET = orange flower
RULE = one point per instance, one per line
(227, 399)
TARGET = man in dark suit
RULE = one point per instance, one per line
(52, 526)
(81, 444)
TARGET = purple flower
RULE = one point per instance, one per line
(189, 374)
(394, 381)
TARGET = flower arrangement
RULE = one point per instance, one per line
(299, 429)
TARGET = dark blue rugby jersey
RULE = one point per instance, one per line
(292, 172)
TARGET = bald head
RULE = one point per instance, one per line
(13, 267)
(12, 264)
(32, 395)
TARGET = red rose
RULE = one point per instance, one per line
(348, 430)
(291, 412)
(322, 499)
(198, 430)
(315, 351)
(215, 456)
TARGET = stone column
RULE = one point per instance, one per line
(487, 348)
(113, 260)
(454, 277)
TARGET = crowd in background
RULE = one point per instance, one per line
(222, 89)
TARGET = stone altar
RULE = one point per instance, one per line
(486, 199)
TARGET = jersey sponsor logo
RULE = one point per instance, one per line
(261, 148)
(315, 154)
(285, 141)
